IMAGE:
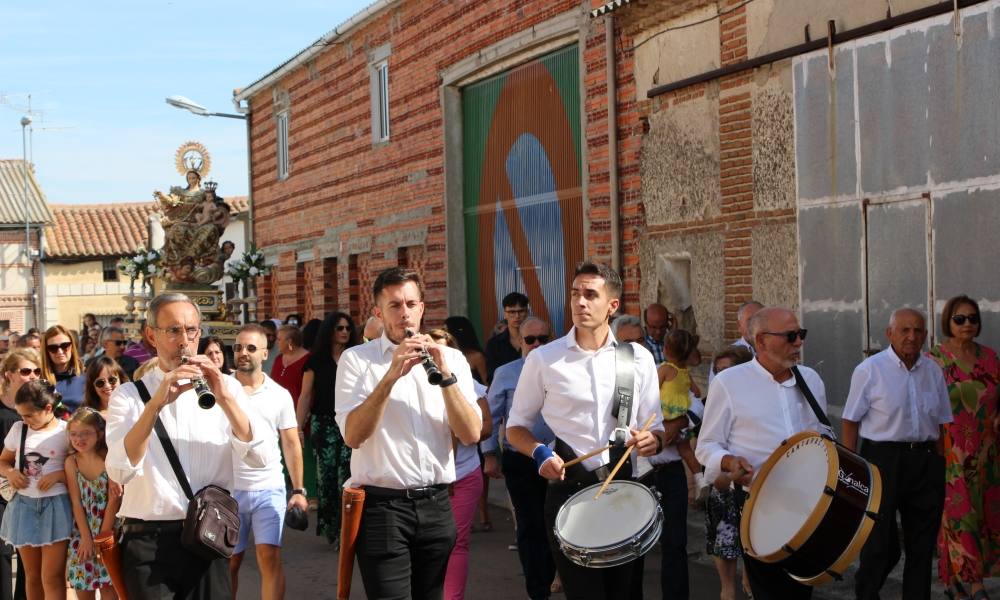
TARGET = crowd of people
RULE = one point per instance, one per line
(305, 410)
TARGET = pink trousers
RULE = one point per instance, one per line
(463, 507)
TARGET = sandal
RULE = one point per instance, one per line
(956, 592)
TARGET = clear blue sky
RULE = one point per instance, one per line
(98, 73)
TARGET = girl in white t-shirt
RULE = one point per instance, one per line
(38, 520)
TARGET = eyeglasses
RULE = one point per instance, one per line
(57, 347)
(25, 371)
(961, 319)
(237, 348)
(176, 331)
(112, 381)
(118, 343)
(515, 311)
(531, 339)
(343, 327)
(789, 335)
(82, 435)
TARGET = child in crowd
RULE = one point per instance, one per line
(94, 504)
(38, 520)
(676, 387)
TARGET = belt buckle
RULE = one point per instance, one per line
(416, 493)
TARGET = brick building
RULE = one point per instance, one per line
(21, 273)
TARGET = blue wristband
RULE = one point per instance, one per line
(541, 453)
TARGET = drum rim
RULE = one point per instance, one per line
(814, 518)
(851, 552)
(650, 524)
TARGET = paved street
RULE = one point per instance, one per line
(495, 573)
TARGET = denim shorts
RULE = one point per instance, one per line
(263, 511)
(37, 521)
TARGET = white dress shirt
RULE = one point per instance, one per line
(274, 405)
(896, 404)
(411, 446)
(749, 414)
(203, 440)
(572, 389)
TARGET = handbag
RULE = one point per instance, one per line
(7, 491)
(212, 523)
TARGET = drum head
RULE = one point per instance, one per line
(622, 511)
(789, 494)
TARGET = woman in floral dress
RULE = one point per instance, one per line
(969, 542)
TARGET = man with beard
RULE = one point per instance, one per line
(260, 492)
(753, 407)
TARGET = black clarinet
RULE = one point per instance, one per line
(434, 376)
(206, 398)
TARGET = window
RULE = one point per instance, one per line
(110, 268)
(378, 70)
(282, 132)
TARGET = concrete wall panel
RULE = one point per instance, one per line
(830, 254)
(679, 166)
(773, 131)
(833, 348)
(705, 251)
(776, 265)
(656, 54)
(826, 163)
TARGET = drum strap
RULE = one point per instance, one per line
(801, 382)
(621, 403)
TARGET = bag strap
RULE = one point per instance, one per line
(24, 439)
(621, 406)
(168, 446)
(801, 382)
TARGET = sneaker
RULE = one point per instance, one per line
(701, 488)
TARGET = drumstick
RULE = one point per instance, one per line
(622, 460)
(591, 454)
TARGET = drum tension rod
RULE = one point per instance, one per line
(871, 515)
(788, 549)
(835, 575)
(828, 490)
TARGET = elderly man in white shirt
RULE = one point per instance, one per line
(154, 504)
(400, 427)
(570, 382)
(753, 407)
(899, 403)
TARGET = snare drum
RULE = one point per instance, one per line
(811, 508)
(619, 527)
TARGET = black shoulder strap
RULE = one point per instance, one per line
(801, 382)
(168, 446)
(24, 438)
(621, 406)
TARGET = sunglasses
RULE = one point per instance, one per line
(24, 372)
(789, 335)
(99, 383)
(961, 319)
(56, 347)
(237, 348)
(118, 342)
(343, 328)
(531, 339)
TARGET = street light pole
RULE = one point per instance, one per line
(25, 121)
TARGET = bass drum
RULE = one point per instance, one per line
(619, 527)
(811, 508)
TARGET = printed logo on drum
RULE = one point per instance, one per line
(851, 482)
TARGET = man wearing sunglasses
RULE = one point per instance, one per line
(525, 485)
(113, 342)
(260, 492)
(898, 406)
(751, 408)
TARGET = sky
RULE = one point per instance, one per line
(98, 73)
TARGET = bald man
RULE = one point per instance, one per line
(659, 322)
(898, 405)
(744, 313)
(753, 407)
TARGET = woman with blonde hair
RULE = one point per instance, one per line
(62, 366)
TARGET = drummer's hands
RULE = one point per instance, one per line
(553, 469)
(738, 468)
(644, 442)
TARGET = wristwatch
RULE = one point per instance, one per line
(301, 491)
(450, 381)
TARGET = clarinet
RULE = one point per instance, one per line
(206, 398)
(434, 376)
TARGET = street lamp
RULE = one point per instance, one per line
(192, 106)
(25, 121)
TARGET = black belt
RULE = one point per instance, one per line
(137, 526)
(925, 446)
(416, 493)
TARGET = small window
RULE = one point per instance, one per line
(282, 127)
(110, 268)
(380, 101)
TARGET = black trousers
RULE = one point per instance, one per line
(768, 581)
(527, 494)
(157, 567)
(671, 482)
(581, 583)
(913, 484)
(9, 591)
(403, 546)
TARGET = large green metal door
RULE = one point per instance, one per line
(522, 197)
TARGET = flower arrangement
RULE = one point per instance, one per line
(250, 265)
(144, 263)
